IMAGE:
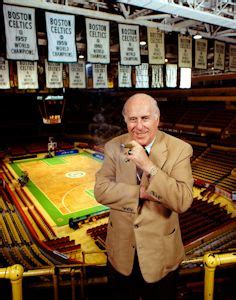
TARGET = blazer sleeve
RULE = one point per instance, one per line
(173, 189)
(116, 195)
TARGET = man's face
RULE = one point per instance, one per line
(141, 120)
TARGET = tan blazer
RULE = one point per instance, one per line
(155, 231)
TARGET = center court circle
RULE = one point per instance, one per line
(75, 174)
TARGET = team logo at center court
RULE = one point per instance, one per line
(75, 174)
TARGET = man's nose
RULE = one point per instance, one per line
(139, 124)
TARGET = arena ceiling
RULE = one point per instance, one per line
(213, 19)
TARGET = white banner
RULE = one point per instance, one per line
(201, 54)
(20, 33)
(185, 78)
(156, 46)
(142, 79)
(232, 58)
(219, 55)
(61, 37)
(98, 41)
(185, 51)
(100, 76)
(157, 76)
(171, 75)
(129, 45)
(4, 74)
(77, 75)
(27, 75)
(124, 76)
(53, 75)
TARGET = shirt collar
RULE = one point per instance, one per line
(149, 146)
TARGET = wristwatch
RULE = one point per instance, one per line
(153, 171)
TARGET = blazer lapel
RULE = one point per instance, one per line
(158, 154)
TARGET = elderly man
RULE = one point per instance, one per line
(146, 180)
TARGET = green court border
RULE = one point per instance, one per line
(54, 213)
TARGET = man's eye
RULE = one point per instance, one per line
(132, 119)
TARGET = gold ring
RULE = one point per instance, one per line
(130, 152)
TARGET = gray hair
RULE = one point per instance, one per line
(156, 109)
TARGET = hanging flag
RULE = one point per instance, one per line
(142, 78)
(53, 75)
(4, 74)
(156, 46)
(61, 37)
(129, 44)
(232, 58)
(77, 75)
(185, 78)
(27, 75)
(20, 33)
(100, 76)
(157, 76)
(219, 55)
(201, 54)
(98, 41)
(185, 51)
(171, 75)
(124, 73)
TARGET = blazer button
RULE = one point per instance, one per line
(136, 226)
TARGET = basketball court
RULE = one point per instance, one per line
(63, 185)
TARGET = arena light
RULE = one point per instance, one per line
(197, 36)
(143, 43)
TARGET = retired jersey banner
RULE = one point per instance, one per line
(61, 37)
(77, 75)
(100, 76)
(20, 33)
(184, 51)
(124, 73)
(201, 54)
(232, 58)
(27, 75)
(157, 76)
(142, 78)
(171, 75)
(4, 74)
(98, 41)
(53, 75)
(129, 45)
(156, 46)
(219, 55)
(185, 78)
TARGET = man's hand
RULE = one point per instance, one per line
(137, 154)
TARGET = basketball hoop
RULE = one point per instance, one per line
(51, 108)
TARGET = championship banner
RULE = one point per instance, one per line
(185, 78)
(185, 51)
(61, 37)
(77, 75)
(156, 46)
(4, 74)
(157, 76)
(27, 75)
(201, 54)
(142, 79)
(100, 76)
(124, 76)
(129, 45)
(20, 33)
(98, 41)
(171, 75)
(219, 55)
(232, 58)
(53, 75)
